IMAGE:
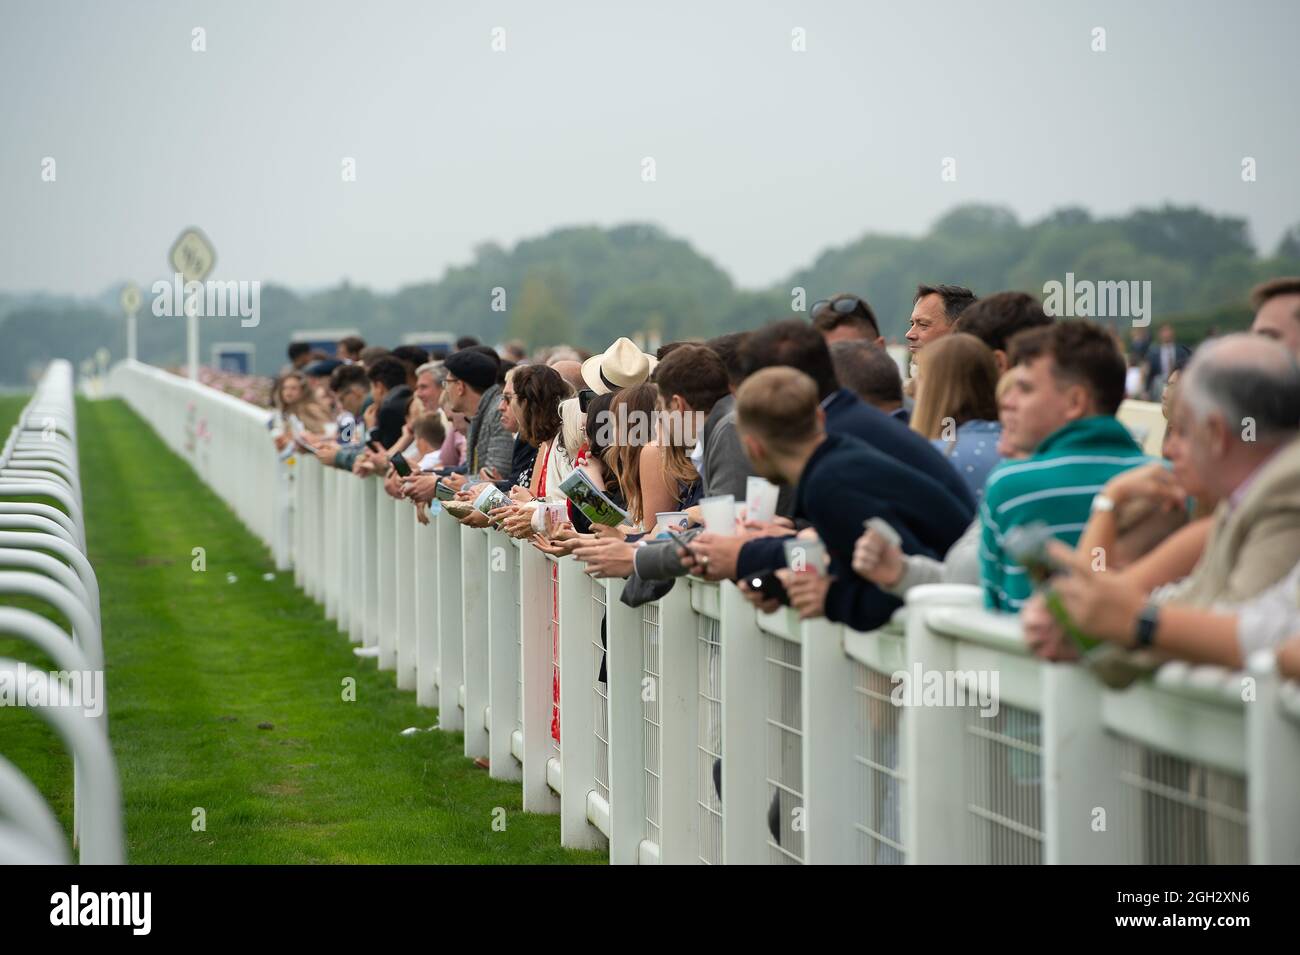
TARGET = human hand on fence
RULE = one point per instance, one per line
(713, 556)
(475, 518)
(521, 495)
(778, 527)
(1105, 606)
(606, 557)
(807, 591)
(878, 560)
(608, 532)
(422, 512)
(759, 599)
(455, 481)
(421, 488)
(393, 484)
(519, 522)
(1044, 637)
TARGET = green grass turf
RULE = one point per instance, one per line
(195, 663)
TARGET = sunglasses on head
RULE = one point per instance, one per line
(848, 305)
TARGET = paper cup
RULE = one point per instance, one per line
(720, 514)
(675, 520)
(760, 500)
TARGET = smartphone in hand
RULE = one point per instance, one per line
(400, 464)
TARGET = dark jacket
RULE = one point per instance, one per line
(847, 414)
(521, 465)
(488, 444)
(845, 482)
(391, 416)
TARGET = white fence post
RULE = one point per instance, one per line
(451, 648)
(745, 797)
(536, 627)
(830, 728)
(503, 653)
(1076, 764)
(426, 610)
(369, 518)
(934, 811)
(1273, 766)
(578, 669)
(474, 636)
(680, 776)
(386, 508)
(404, 574)
(628, 779)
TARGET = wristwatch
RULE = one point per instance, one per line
(1145, 626)
(1103, 503)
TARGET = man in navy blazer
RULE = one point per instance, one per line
(840, 482)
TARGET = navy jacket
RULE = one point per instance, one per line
(848, 414)
(845, 482)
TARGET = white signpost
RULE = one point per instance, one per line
(130, 304)
(192, 256)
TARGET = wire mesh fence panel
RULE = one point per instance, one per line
(650, 725)
(709, 741)
(1003, 776)
(1176, 811)
(880, 782)
(600, 692)
(784, 750)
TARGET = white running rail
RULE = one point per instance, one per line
(43, 558)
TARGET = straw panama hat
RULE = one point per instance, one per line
(621, 365)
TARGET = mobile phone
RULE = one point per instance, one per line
(375, 446)
(400, 464)
(680, 541)
(443, 492)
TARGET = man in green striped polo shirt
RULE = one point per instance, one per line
(1067, 384)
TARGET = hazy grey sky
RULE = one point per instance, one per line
(764, 155)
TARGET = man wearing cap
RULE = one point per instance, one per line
(621, 365)
(471, 388)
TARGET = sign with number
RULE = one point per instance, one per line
(192, 256)
(130, 299)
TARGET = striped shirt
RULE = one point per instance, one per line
(1054, 487)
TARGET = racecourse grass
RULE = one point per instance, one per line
(197, 661)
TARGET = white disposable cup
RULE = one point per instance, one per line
(676, 520)
(720, 514)
(760, 499)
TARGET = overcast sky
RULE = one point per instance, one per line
(764, 156)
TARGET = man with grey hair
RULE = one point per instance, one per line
(870, 373)
(428, 385)
(1242, 396)
(1243, 393)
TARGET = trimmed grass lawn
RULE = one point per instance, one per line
(198, 661)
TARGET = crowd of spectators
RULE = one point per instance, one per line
(801, 461)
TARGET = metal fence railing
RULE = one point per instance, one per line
(720, 735)
(43, 560)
